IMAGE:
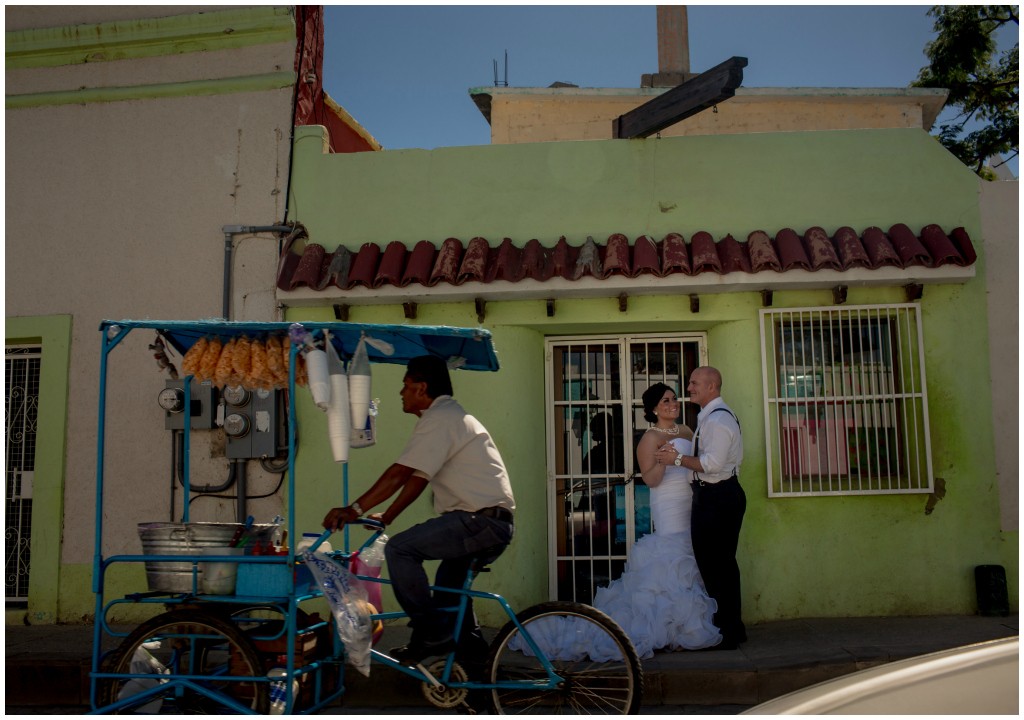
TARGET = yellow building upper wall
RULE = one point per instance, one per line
(519, 115)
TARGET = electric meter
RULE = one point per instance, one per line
(236, 425)
(256, 428)
(171, 399)
(236, 395)
(198, 406)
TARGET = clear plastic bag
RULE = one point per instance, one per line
(349, 604)
(368, 563)
(373, 556)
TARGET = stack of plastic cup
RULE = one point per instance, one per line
(319, 382)
(339, 428)
(359, 384)
(359, 399)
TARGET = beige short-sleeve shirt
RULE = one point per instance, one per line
(456, 454)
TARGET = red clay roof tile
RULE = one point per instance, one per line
(705, 254)
(420, 263)
(734, 259)
(675, 256)
(963, 245)
(762, 252)
(791, 250)
(446, 268)
(616, 256)
(474, 262)
(851, 250)
(507, 263)
(910, 249)
(939, 246)
(310, 266)
(645, 257)
(537, 261)
(822, 251)
(338, 266)
(588, 261)
(564, 257)
(478, 262)
(392, 265)
(364, 266)
(879, 249)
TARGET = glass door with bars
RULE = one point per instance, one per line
(599, 504)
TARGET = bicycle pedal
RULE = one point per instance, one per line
(475, 704)
(415, 653)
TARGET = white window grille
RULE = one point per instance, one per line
(845, 404)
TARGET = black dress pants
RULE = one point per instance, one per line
(715, 526)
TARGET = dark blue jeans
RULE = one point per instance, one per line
(454, 538)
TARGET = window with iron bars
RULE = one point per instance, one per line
(846, 409)
(21, 413)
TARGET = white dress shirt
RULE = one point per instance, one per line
(719, 442)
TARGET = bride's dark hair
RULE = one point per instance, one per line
(651, 397)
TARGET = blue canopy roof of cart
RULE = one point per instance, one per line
(473, 345)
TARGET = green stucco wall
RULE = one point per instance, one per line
(800, 557)
(725, 184)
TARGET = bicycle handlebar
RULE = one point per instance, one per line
(365, 522)
(371, 523)
(320, 540)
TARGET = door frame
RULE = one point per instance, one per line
(624, 341)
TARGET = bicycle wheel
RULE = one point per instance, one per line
(186, 643)
(611, 684)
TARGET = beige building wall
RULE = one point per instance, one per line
(121, 175)
(1000, 221)
(521, 115)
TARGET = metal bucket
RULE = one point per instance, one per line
(167, 538)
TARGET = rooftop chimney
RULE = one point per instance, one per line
(673, 49)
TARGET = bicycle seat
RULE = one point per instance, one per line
(479, 563)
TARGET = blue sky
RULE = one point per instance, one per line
(404, 71)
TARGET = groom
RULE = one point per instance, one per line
(718, 500)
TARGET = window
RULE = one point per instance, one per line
(846, 412)
(21, 384)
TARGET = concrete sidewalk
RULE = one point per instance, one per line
(48, 665)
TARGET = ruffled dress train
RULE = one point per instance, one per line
(659, 600)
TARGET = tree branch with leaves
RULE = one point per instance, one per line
(982, 84)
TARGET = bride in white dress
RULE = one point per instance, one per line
(659, 600)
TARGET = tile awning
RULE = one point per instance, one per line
(454, 264)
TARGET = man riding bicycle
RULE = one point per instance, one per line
(452, 452)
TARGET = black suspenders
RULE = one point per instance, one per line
(696, 439)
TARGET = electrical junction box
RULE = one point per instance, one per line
(254, 422)
(201, 405)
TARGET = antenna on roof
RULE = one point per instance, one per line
(504, 83)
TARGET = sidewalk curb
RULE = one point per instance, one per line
(49, 665)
